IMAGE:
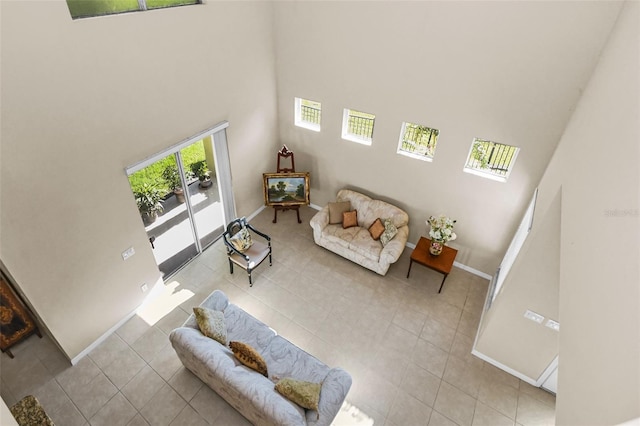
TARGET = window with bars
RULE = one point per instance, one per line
(357, 126)
(308, 114)
(490, 159)
(90, 8)
(418, 141)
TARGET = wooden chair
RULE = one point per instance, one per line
(254, 255)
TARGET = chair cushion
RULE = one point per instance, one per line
(256, 253)
(241, 240)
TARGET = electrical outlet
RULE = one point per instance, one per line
(554, 325)
(535, 317)
(144, 287)
(128, 253)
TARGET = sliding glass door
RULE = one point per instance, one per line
(180, 198)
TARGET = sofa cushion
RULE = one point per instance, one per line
(249, 357)
(337, 209)
(350, 219)
(305, 394)
(242, 327)
(287, 360)
(390, 231)
(340, 236)
(211, 324)
(376, 229)
(366, 246)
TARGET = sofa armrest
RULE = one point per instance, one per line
(335, 388)
(392, 251)
(319, 221)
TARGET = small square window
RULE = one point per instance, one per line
(308, 114)
(490, 159)
(418, 141)
(358, 126)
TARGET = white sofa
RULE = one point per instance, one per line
(356, 243)
(248, 391)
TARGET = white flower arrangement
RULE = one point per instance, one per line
(441, 228)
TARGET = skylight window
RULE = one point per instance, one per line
(90, 8)
(490, 159)
(357, 126)
(308, 114)
(418, 141)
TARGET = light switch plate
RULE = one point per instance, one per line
(554, 325)
(128, 253)
(533, 316)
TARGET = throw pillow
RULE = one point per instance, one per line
(211, 324)
(249, 357)
(305, 394)
(350, 219)
(336, 210)
(376, 229)
(390, 231)
(241, 240)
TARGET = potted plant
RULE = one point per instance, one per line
(441, 232)
(149, 200)
(171, 175)
(201, 170)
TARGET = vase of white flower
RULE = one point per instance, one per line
(441, 232)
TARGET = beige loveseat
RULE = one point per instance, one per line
(356, 243)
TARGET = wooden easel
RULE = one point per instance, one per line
(284, 153)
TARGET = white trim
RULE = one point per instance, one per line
(503, 367)
(175, 148)
(155, 292)
(315, 206)
(256, 213)
(553, 366)
(473, 271)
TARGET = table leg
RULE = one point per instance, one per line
(410, 263)
(442, 284)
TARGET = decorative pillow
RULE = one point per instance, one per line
(350, 219)
(390, 231)
(336, 210)
(241, 240)
(211, 324)
(249, 357)
(376, 229)
(305, 394)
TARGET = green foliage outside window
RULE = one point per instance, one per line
(88, 8)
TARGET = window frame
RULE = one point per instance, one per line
(487, 173)
(142, 6)
(414, 155)
(353, 137)
(300, 122)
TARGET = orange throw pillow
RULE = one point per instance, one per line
(350, 219)
(376, 229)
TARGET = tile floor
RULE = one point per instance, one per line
(406, 346)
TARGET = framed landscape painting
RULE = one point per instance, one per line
(286, 189)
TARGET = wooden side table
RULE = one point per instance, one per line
(442, 263)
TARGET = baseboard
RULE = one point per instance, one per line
(409, 245)
(155, 292)
(503, 367)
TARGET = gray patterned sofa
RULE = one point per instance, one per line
(356, 243)
(249, 392)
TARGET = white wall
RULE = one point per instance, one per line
(83, 99)
(599, 371)
(511, 72)
(580, 263)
